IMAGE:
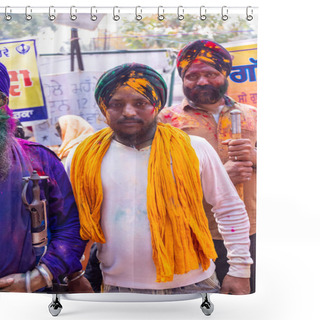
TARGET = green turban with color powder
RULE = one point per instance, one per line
(145, 80)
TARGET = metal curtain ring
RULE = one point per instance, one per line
(28, 15)
(7, 16)
(203, 12)
(249, 16)
(73, 17)
(160, 16)
(180, 13)
(224, 13)
(51, 16)
(138, 16)
(93, 16)
(116, 17)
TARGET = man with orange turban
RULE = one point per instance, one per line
(204, 66)
(139, 188)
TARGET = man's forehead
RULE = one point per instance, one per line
(198, 65)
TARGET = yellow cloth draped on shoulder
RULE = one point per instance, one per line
(180, 235)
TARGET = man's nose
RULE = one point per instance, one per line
(129, 110)
(202, 81)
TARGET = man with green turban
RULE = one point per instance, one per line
(139, 189)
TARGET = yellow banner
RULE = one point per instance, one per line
(26, 96)
(243, 76)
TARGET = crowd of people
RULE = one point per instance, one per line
(147, 205)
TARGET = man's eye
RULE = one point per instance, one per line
(192, 77)
(140, 104)
(211, 75)
(115, 105)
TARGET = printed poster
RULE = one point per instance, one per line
(26, 95)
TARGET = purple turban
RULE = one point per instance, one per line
(206, 51)
(4, 80)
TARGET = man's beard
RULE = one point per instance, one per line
(6, 137)
(206, 94)
(145, 134)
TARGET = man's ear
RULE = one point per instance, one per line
(107, 115)
(4, 100)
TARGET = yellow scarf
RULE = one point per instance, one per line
(180, 235)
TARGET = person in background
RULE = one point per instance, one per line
(139, 186)
(72, 130)
(204, 67)
(21, 268)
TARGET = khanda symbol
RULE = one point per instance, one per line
(37, 210)
(23, 48)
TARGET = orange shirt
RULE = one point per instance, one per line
(199, 122)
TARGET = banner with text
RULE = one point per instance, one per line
(69, 93)
(26, 95)
(243, 76)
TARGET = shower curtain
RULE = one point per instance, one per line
(54, 61)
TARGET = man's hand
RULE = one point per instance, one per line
(81, 285)
(235, 285)
(241, 150)
(239, 171)
(13, 283)
(17, 282)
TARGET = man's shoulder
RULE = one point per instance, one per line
(200, 144)
(198, 140)
(177, 116)
(166, 112)
(204, 151)
(249, 114)
(35, 147)
(246, 108)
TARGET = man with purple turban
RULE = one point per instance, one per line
(204, 66)
(24, 265)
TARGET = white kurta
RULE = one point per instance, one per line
(126, 257)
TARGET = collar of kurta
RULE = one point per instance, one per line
(228, 102)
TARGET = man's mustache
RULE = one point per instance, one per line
(124, 120)
(206, 88)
